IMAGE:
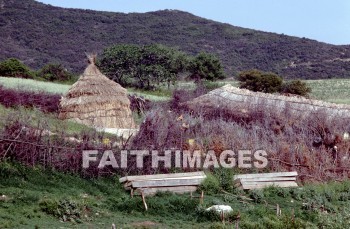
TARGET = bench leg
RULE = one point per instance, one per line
(144, 201)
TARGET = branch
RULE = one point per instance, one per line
(287, 163)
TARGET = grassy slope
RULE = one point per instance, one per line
(49, 121)
(33, 85)
(107, 202)
(56, 88)
(332, 90)
(102, 202)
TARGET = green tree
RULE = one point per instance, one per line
(206, 66)
(255, 80)
(12, 67)
(142, 66)
(296, 87)
(120, 63)
(55, 72)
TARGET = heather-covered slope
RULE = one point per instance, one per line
(37, 34)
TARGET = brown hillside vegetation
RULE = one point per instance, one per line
(39, 34)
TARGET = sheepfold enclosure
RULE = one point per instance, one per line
(298, 134)
(238, 101)
(294, 141)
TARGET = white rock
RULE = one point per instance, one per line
(220, 208)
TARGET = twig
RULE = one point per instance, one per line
(127, 141)
(8, 148)
(286, 163)
(34, 144)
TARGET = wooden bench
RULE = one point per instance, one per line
(262, 180)
(148, 185)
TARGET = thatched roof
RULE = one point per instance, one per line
(241, 101)
(97, 101)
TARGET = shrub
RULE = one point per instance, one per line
(14, 68)
(206, 66)
(65, 210)
(210, 185)
(55, 72)
(257, 195)
(296, 87)
(210, 85)
(255, 80)
(224, 176)
(297, 193)
(214, 216)
(273, 191)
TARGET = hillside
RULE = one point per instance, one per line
(38, 34)
(38, 198)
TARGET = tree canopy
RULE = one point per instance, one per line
(296, 87)
(55, 72)
(12, 67)
(143, 66)
(206, 66)
(255, 80)
(149, 66)
(268, 82)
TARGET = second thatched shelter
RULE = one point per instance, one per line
(96, 101)
(240, 102)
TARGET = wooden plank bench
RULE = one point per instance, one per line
(262, 180)
(148, 185)
(160, 176)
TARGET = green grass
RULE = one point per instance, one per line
(332, 90)
(34, 85)
(56, 88)
(157, 95)
(33, 196)
(47, 121)
(101, 202)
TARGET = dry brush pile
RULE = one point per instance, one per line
(30, 145)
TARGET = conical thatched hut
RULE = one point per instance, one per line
(96, 101)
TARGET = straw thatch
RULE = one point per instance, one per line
(96, 101)
(240, 101)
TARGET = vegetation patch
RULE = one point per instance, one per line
(40, 100)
